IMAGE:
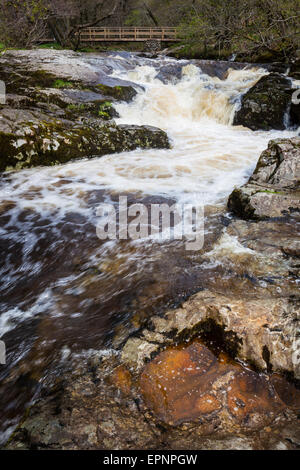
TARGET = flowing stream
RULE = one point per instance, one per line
(64, 291)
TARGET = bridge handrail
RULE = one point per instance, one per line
(135, 33)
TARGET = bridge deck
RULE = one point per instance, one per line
(167, 34)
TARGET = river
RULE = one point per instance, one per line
(64, 291)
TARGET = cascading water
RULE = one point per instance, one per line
(62, 289)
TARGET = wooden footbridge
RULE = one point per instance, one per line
(108, 34)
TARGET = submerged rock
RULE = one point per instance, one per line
(274, 188)
(188, 383)
(186, 398)
(266, 105)
(170, 73)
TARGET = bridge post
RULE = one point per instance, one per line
(153, 46)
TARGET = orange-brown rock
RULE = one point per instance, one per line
(251, 393)
(121, 378)
(288, 393)
(187, 383)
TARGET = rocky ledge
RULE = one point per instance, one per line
(274, 188)
(56, 110)
(29, 139)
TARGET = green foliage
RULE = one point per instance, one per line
(87, 49)
(103, 115)
(104, 110)
(267, 191)
(22, 22)
(135, 18)
(243, 27)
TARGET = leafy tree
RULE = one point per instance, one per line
(244, 26)
(22, 22)
(68, 17)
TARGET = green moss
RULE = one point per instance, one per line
(105, 110)
(19, 80)
(77, 107)
(59, 83)
(269, 191)
(102, 109)
(103, 115)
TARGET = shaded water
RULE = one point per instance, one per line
(62, 289)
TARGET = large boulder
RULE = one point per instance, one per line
(274, 188)
(262, 332)
(31, 138)
(266, 105)
(170, 73)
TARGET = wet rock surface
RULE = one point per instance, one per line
(189, 383)
(267, 104)
(56, 108)
(273, 190)
(262, 332)
(186, 398)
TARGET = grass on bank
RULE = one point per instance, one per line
(51, 45)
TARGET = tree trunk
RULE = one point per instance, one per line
(151, 15)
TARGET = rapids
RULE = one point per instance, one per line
(63, 291)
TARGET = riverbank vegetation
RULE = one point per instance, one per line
(248, 29)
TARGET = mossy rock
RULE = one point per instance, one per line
(295, 70)
(265, 105)
(119, 93)
(274, 188)
(53, 142)
(18, 79)
(101, 109)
